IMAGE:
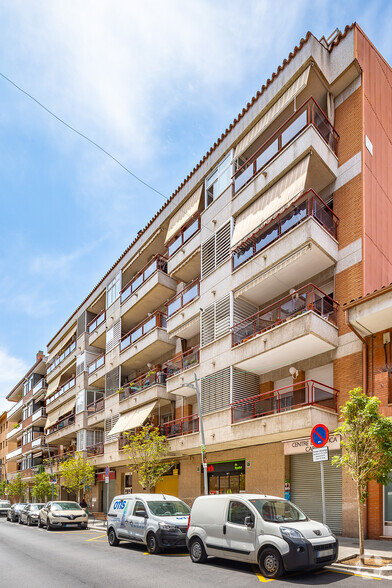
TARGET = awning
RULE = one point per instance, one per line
(56, 415)
(131, 420)
(295, 88)
(184, 214)
(273, 270)
(52, 386)
(277, 197)
(52, 419)
(62, 345)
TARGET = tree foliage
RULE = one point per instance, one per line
(77, 473)
(146, 450)
(17, 488)
(3, 488)
(367, 447)
(42, 488)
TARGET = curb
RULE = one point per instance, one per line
(384, 571)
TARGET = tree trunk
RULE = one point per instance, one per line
(360, 526)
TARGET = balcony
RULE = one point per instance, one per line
(15, 431)
(96, 412)
(65, 355)
(144, 389)
(13, 454)
(40, 441)
(97, 330)
(96, 406)
(97, 449)
(182, 426)
(96, 364)
(145, 342)
(184, 253)
(15, 409)
(299, 326)
(39, 388)
(188, 359)
(62, 390)
(39, 416)
(183, 312)
(61, 424)
(309, 114)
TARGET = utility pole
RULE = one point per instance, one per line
(51, 469)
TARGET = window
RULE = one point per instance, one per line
(140, 509)
(113, 290)
(238, 512)
(219, 180)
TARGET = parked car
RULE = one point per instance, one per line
(61, 513)
(14, 511)
(157, 520)
(29, 514)
(259, 529)
(4, 506)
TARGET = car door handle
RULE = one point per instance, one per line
(224, 529)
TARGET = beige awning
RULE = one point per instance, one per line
(273, 270)
(52, 386)
(295, 88)
(63, 343)
(131, 420)
(276, 198)
(52, 419)
(56, 415)
(184, 214)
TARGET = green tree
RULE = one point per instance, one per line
(367, 444)
(146, 450)
(76, 473)
(3, 488)
(42, 488)
(17, 488)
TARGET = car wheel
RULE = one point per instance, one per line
(270, 563)
(197, 551)
(40, 524)
(28, 522)
(49, 527)
(152, 544)
(83, 526)
(112, 538)
(20, 521)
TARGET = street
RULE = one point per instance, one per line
(33, 558)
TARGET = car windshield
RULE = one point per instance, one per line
(168, 508)
(19, 506)
(65, 506)
(36, 506)
(5, 504)
(278, 511)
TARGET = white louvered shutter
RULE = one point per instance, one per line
(215, 391)
(109, 424)
(208, 256)
(215, 320)
(113, 336)
(216, 249)
(244, 385)
(80, 363)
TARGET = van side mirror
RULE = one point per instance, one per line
(249, 522)
(141, 513)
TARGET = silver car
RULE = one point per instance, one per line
(29, 514)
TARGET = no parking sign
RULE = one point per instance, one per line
(319, 435)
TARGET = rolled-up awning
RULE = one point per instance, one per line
(287, 189)
(56, 415)
(62, 345)
(295, 88)
(131, 420)
(184, 214)
(52, 386)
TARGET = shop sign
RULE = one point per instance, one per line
(226, 467)
(101, 477)
(304, 445)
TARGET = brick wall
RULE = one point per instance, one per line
(348, 286)
(348, 123)
(347, 204)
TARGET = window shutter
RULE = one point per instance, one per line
(208, 256)
(113, 336)
(223, 238)
(244, 385)
(109, 424)
(207, 325)
(216, 249)
(80, 363)
(215, 391)
(215, 320)
(112, 382)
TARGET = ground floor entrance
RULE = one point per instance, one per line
(388, 510)
(226, 477)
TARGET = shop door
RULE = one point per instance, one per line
(388, 509)
(226, 483)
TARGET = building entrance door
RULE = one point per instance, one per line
(226, 477)
(388, 509)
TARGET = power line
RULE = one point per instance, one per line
(83, 136)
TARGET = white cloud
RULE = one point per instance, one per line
(49, 264)
(12, 369)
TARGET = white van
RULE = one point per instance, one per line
(256, 528)
(157, 520)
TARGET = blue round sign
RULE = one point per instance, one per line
(319, 435)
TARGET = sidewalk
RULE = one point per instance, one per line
(350, 546)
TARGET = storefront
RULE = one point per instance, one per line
(227, 477)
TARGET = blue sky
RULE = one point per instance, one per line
(153, 82)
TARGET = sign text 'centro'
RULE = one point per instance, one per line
(304, 445)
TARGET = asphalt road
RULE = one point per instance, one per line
(36, 558)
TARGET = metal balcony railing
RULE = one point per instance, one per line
(298, 395)
(183, 426)
(40, 413)
(97, 449)
(62, 390)
(61, 424)
(15, 408)
(159, 263)
(61, 357)
(96, 364)
(158, 319)
(303, 300)
(151, 378)
(186, 233)
(182, 362)
(308, 205)
(309, 113)
(61, 457)
(96, 406)
(186, 296)
(98, 320)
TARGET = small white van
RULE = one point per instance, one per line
(256, 528)
(156, 520)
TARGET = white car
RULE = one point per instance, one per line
(255, 528)
(4, 506)
(60, 514)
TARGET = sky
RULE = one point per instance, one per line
(155, 83)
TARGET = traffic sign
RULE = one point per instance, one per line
(319, 435)
(106, 479)
(107, 471)
(320, 454)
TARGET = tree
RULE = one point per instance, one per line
(17, 488)
(77, 473)
(42, 488)
(367, 444)
(147, 449)
(3, 488)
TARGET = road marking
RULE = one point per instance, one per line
(260, 576)
(347, 574)
(97, 537)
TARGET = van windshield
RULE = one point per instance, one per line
(278, 511)
(168, 508)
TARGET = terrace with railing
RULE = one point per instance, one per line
(182, 362)
(298, 302)
(98, 320)
(151, 378)
(39, 386)
(186, 233)
(61, 424)
(298, 395)
(182, 426)
(159, 263)
(96, 364)
(97, 449)
(62, 390)
(60, 357)
(96, 406)
(307, 205)
(158, 319)
(186, 296)
(308, 114)
(60, 457)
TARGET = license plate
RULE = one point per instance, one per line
(325, 552)
(71, 524)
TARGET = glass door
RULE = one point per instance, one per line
(388, 509)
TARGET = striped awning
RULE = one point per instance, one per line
(184, 214)
(132, 419)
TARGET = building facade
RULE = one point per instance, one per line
(240, 280)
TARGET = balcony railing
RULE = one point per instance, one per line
(40, 413)
(14, 430)
(14, 453)
(61, 424)
(309, 113)
(96, 364)
(98, 320)
(64, 388)
(143, 382)
(186, 296)
(186, 233)
(183, 426)
(307, 205)
(181, 363)
(61, 458)
(96, 449)
(39, 386)
(307, 393)
(61, 357)
(15, 408)
(158, 319)
(38, 442)
(159, 263)
(96, 406)
(307, 298)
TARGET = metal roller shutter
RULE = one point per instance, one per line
(305, 481)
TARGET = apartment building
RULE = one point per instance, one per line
(239, 280)
(3, 445)
(27, 450)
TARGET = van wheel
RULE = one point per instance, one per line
(152, 544)
(197, 551)
(270, 563)
(112, 539)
